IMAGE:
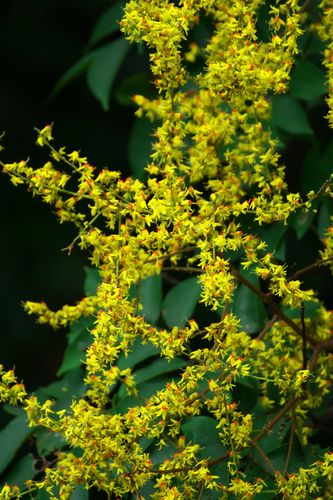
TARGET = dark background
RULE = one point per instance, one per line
(40, 41)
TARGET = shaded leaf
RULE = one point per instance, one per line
(179, 303)
(248, 306)
(80, 330)
(48, 442)
(255, 473)
(325, 165)
(76, 70)
(139, 352)
(71, 385)
(140, 146)
(73, 358)
(310, 310)
(107, 24)
(12, 437)
(301, 221)
(156, 368)
(278, 458)
(274, 237)
(151, 298)
(310, 175)
(246, 393)
(307, 81)
(324, 220)
(202, 430)
(145, 391)
(92, 281)
(274, 438)
(104, 67)
(136, 84)
(158, 456)
(80, 493)
(20, 473)
(289, 115)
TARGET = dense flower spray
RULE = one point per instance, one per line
(213, 160)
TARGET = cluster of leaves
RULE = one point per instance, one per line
(217, 387)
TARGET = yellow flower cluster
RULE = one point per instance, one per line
(325, 31)
(10, 390)
(212, 133)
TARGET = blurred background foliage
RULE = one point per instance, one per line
(59, 62)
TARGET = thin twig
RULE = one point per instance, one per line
(186, 269)
(265, 457)
(171, 254)
(308, 268)
(305, 356)
(267, 298)
(290, 442)
(267, 327)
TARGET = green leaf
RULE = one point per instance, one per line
(246, 397)
(12, 437)
(20, 473)
(71, 385)
(104, 67)
(140, 146)
(151, 298)
(156, 368)
(274, 438)
(145, 391)
(310, 310)
(147, 490)
(136, 84)
(80, 493)
(13, 410)
(92, 281)
(256, 472)
(278, 458)
(324, 220)
(42, 494)
(274, 237)
(318, 169)
(301, 221)
(80, 330)
(179, 303)
(310, 176)
(107, 24)
(73, 358)
(139, 353)
(202, 430)
(158, 456)
(76, 70)
(289, 115)
(307, 81)
(249, 307)
(48, 442)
